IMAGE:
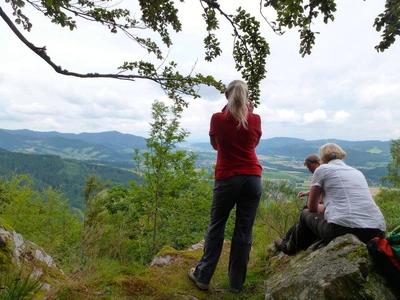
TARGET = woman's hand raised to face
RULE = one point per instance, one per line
(250, 106)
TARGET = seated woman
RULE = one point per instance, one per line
(348, 205)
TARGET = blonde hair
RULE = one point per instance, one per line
(237, 95)
(331, 151)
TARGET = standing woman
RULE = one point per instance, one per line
(234, 133)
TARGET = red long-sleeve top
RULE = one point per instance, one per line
(236, 147)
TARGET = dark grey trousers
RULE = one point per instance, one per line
(244, 191)
(312, 226)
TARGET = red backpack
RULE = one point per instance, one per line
(386, 254)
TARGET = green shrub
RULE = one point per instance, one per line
(388, 201)
(14, 284)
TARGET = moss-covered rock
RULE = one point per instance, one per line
(341, 270)
(24, 257)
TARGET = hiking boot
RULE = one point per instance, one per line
(235, 291)
(201, 286)
(278, 244)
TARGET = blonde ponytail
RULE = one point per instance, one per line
(237, 94)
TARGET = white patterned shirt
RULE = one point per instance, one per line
(347, 198)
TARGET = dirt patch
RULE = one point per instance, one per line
(374, 191)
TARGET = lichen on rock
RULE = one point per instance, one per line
(342, 269)
(17, 253)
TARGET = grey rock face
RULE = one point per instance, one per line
(16, 252)
(341, 270)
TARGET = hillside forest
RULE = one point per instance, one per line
(162, 200)
(64, 161)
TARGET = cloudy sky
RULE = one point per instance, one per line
(344, 90)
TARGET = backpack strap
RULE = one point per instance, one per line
(394, 236)
(395, 231)
(394, 240)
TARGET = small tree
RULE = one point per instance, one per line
(94, 187)
(388, 199)
(170, 190)
(393, 167)
(171, 205)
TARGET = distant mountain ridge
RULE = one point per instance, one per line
(109, 155)
(359, 153)
(116, 146)
(112, 145)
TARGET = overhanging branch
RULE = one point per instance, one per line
(41, 51)
(171, 82)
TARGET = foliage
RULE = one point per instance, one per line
(301, 14)
(44, 218)
(298, 14)
(126, 226)
(388, 202)
(279, 207)
(393, 166)
(172, 189)
(107, 237)
(250, 48)
(117, 242)
(68, 176)
(159, 16)
(281, 158)
(99, 233)
(14, 284)
(93, 188)
(107, 280)
(388, 199)
(133, 224)
(171, 186)
(389, 20)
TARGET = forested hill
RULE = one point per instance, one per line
(117, 147)
(110, 146)
(287, 154)
(67, 160)
(362, 154)
(66, 175)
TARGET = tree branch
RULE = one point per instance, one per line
(41, 51)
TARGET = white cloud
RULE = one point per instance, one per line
(285, 115)
(373, 94)
(382, 117)
(317, 115)
(340, 117)
(344, 82)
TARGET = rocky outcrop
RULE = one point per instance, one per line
(343, 269)
(19, 253)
